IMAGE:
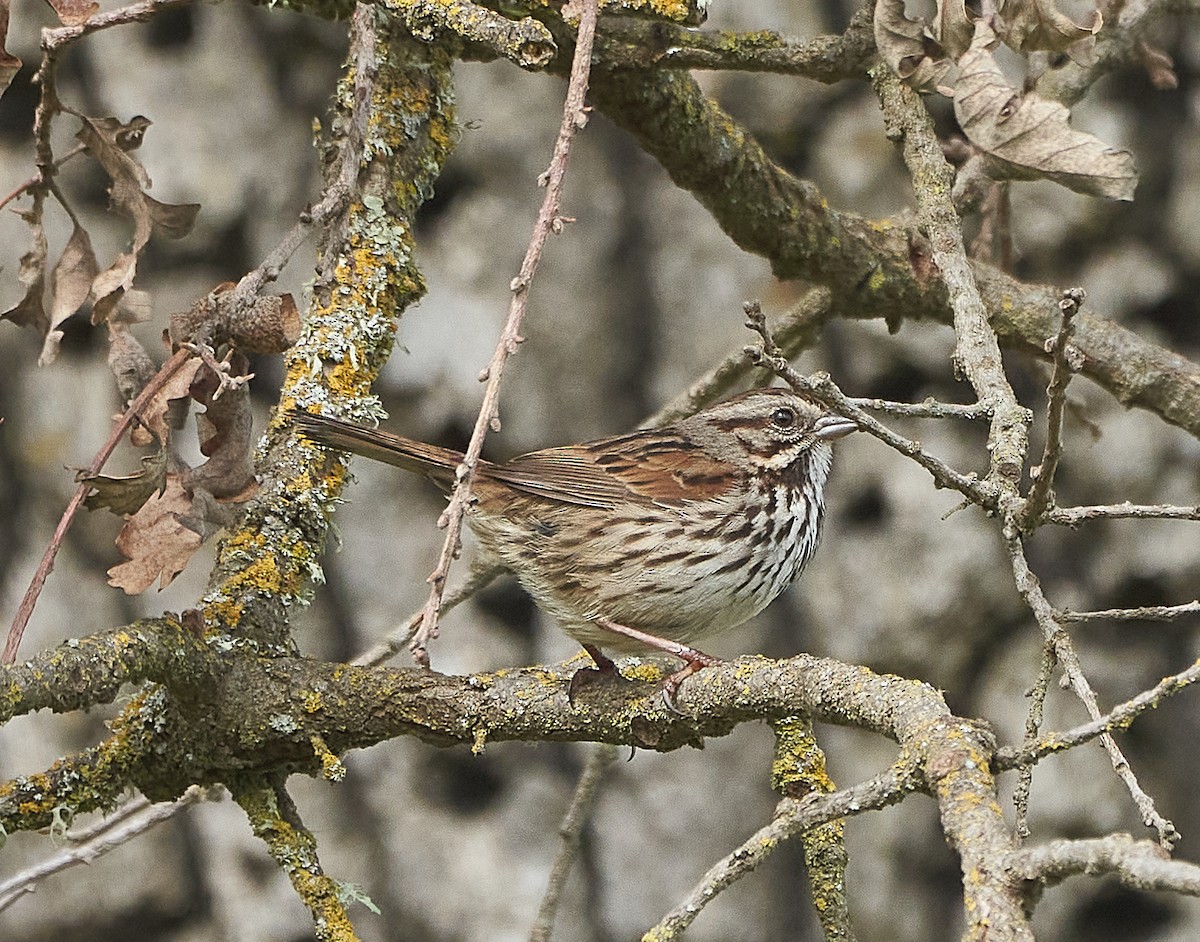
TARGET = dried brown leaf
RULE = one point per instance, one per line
(908, 46)
(1027, 137)
(157, 546)
(30, 311)
(110, 142)
(71, 282)
(226, 431)
(74, 12)
(952, 27)
(126, 494)
(10, 65)
(109, 287)
(172, 220)
(177, 387)
(1031, 25)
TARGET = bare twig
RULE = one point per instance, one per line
(571, 831)
(977, 351)
(220, 368)
(59, 36)
(549, 220)
(1073, 516)
(1119, 717)
(132, 414)
(791, 818)
(1140, 865)
(1067, 361)
(1145, 613)
(1033, 725)
(132, 819)
(1031, 591)
(928, 409)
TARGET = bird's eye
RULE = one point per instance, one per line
(783, 418)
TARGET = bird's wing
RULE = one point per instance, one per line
(644, 466)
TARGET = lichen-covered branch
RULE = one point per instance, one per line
(273, 818)
(874, 269)
(627, 43)
(799, 770)
(395, 120)
(85, 672)
(525, 42)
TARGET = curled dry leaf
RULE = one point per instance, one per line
(908, 46)
(126, 494)
(1027, 137)
(10, 65)
(156, 545)
(71, 282)
(1031, 25)
(30, 311)
(110, 142)
(156, 415)
(952, 27)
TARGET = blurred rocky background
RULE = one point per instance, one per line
(639, 297)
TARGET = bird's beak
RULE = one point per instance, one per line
(829, 427)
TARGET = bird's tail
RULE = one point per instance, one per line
(430, 460)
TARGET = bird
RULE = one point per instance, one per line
(649, 540)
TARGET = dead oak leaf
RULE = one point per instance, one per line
(109, 141)
(71, 282)
(952, 27)
(155, 415)
(1031, 25)
(126, 494)
(1026, 137)
(157, 546)
(10, 65)
(908, 46)
(30, 311)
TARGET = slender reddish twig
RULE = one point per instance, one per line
(574, 118)
(17, 629)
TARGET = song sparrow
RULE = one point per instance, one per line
(651, 539)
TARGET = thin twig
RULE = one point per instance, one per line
(549, 220)
(571, 832)
(59, 36)
(1067, 361)
(791, 818)
(132, 414)
(1073, 516)
(1031, 591)
(928, 409)
(1119, 717)
(821, 387)
(977, 350)
(1033, 725)
(390, 645)
(1140, 865)
(1145, 613)
(797, 330)
(130, 820)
